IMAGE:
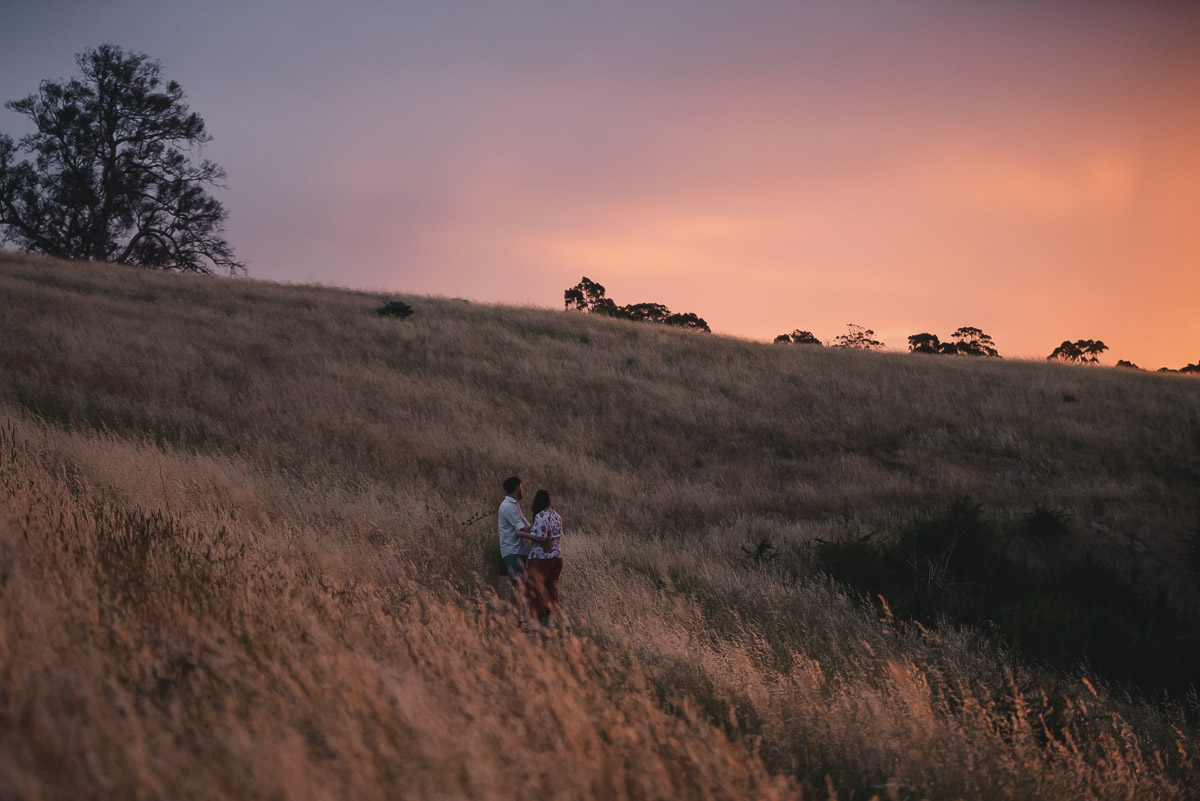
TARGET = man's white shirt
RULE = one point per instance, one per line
(511, 521)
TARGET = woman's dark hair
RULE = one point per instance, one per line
(540, 501)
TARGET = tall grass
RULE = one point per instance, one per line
(239, 554)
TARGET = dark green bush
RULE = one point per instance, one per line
(1045, 523)
(761, 551)
(1087, 613)
(395, 308)
(1193, 553)
(950, 566)
(868, 566)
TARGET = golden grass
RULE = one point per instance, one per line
(235, 556)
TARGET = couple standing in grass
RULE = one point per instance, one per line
(532, 552)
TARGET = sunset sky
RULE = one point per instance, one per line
(1030, 168)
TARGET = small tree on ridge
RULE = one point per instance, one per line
(971, 341)
(924, 343)
(798, 337)
(857, 338)
(967, 341)
(584, 296)
(589, 296)
(1082, 351)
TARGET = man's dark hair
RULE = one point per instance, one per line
(510, 484)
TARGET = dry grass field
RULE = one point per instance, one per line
(247, 551)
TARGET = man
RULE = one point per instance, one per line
(512, 525)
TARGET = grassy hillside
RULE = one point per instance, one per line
(247, 548)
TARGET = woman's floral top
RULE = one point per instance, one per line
(547, 524)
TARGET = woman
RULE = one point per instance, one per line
(545, 558)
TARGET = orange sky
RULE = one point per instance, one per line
(1032, 169)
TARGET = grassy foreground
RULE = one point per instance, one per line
(246, 550)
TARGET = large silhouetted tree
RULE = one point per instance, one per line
(857, 338)
(1092, 348)
(925, 343)
(966, 341)
(584, 296)
(971, 341)
(112, 176)
(1081, 350)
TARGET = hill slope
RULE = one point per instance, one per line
(279, 506)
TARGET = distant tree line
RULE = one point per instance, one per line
(968, 340)
(1187, 368)
(965, 341)
(589, 296)
(855, 338)
(1086, 351)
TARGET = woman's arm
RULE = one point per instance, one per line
(536, 532)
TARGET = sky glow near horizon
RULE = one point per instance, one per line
(1032, 169)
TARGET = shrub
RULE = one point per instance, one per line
(1045, 523)
(395, 308)
(948, 566)
(1193, 552)
(761, 551)
(861, 563)
(1088, 614)
(952, 561)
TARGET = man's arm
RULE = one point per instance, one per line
(527, 534)
(515, 519)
